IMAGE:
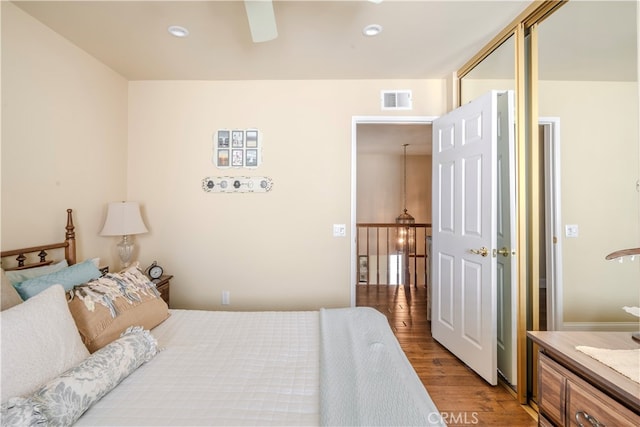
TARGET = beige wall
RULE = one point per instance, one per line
(65, 144)
(599, 171)
(64, 136)
(75, 134)
(380, 183)
(78, 135)
(273, 250)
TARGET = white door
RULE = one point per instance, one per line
(464, 299)
(506, 234)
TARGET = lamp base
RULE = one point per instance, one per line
(125, 250)
(636, 336)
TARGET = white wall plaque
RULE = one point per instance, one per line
(237, 184)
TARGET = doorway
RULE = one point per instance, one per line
(390, 127)
(364, 120)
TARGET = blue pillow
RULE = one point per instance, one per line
(67, 277)
(17, 276)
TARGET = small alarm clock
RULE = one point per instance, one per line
(154, 271)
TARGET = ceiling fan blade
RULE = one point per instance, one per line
(262, 20)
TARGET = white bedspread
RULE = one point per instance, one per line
(264, 369)
(365, 377)
(222, 368)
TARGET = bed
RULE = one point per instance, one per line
(188, 367)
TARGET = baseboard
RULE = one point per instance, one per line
(601, 326)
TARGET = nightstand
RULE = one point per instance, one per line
(162, 285)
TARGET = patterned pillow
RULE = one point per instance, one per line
(19, 412)
(105, 307)
(64, 399)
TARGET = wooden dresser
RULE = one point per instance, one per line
(575, 389)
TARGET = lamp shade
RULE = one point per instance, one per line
(123, 218)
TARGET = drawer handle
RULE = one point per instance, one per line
(593, 422)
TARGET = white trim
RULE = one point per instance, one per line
(553, 222)
(355, 120)
(601, 326)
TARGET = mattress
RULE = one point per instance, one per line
(327, 367)
(222, 368)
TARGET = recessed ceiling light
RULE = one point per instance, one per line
(178, 31)
(372, 30)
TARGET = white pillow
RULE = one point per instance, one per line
(40, 340)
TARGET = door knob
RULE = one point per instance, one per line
(482, 251)
(504, 251)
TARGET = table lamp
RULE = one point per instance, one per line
(124, 219)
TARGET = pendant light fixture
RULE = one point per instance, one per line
(406, 234)
(406, 243)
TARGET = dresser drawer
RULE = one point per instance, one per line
(543, 422)
(566, 399)
(585, 402)
(552, 389)
(571, 383)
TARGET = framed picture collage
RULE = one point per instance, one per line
(237, 148)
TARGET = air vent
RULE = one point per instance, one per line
(396, 100)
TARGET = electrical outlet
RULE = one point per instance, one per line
(225, 298)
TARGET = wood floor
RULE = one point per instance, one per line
(462, 397)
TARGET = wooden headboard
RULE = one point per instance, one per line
(23, 255)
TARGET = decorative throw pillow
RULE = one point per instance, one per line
(107, 306)
(39, 342)
(20, 412)
(9, 296)
(17, 276)
(61, 401)
(67, 277)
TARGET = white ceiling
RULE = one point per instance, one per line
(316, 39)
(421, 39)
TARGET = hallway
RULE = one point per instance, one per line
(462, 397)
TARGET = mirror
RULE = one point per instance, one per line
(586, 97)
(588, 90)
(496, 71)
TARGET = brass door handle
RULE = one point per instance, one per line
(504, 252)
(482, 251)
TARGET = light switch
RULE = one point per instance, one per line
(571, 230)
(339, 230)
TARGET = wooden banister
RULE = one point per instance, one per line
(378, 240)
